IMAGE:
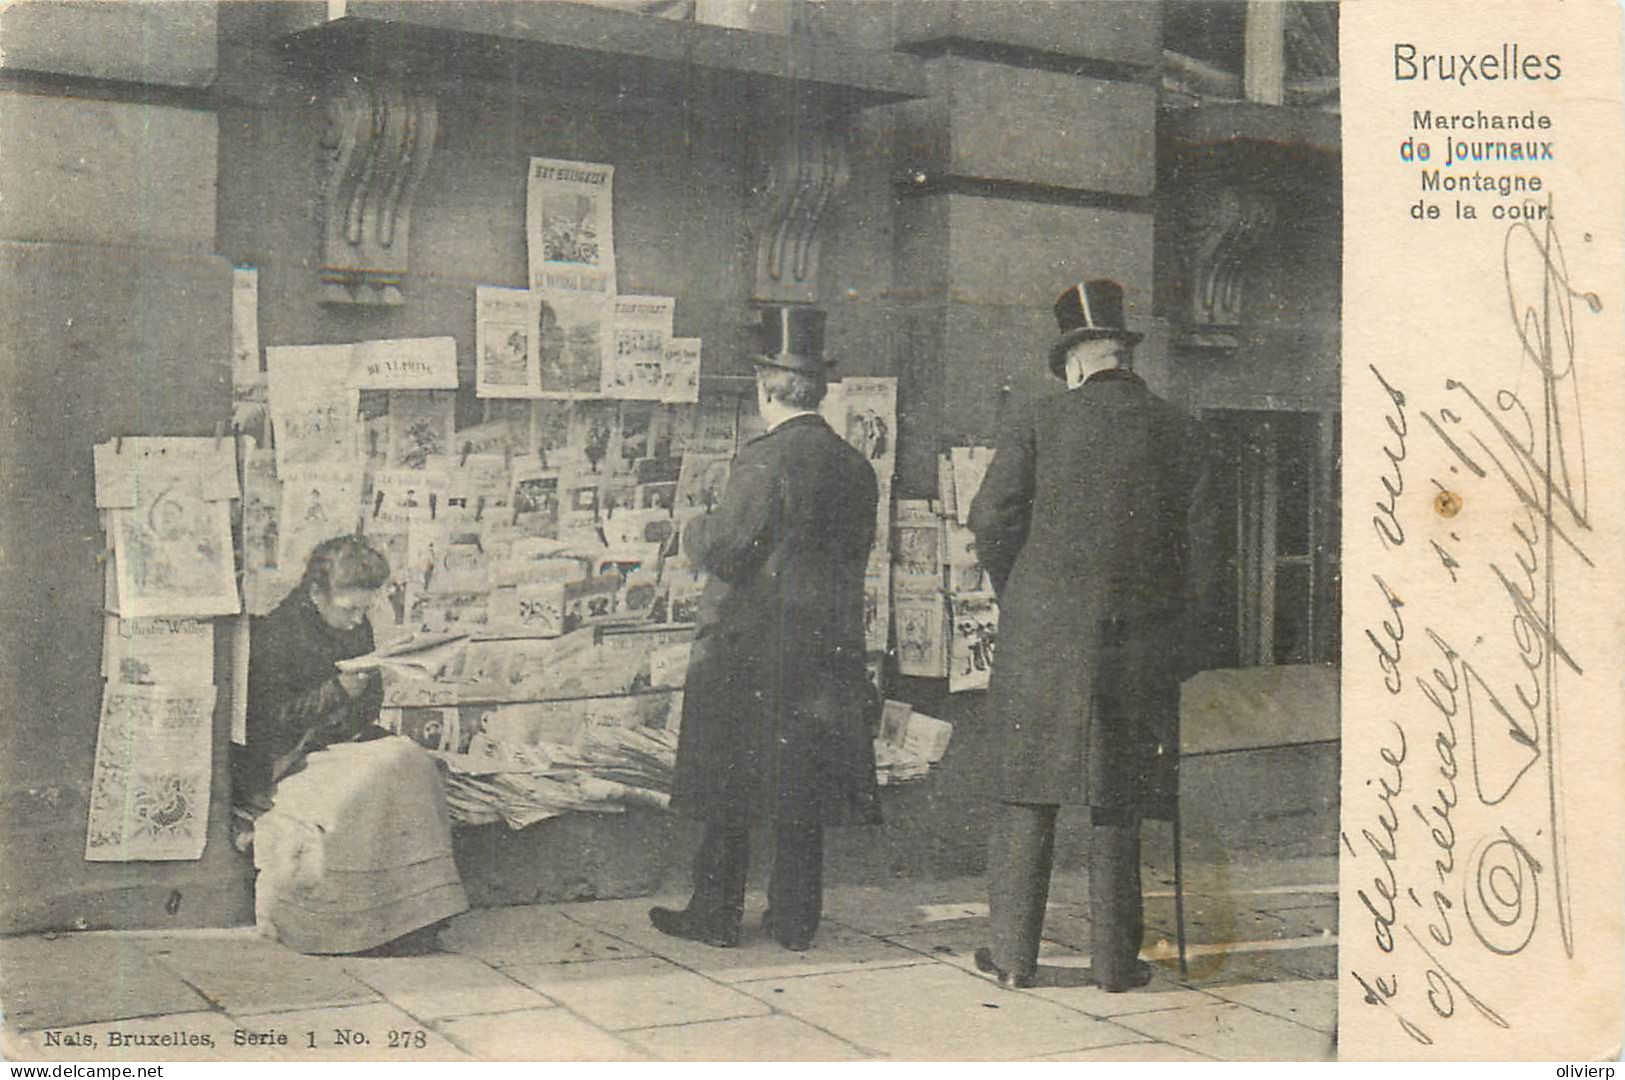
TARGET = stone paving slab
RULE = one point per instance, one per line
(244, 975)
(618, 995)
(536, 1035)
(933, 1012)
(521, 936)
(78, 979)
(888, 910)
(202, 1036)
(1311, 960)
(836, 948)
(1232, 1032)
(444, 985)
(956, 944)
(1310, 1003)
(1163, 992)
(752, 1038)
(376, 1031)
(1135, 1052)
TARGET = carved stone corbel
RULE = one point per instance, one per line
(375, 151)
(809, 171)
(1226, 232)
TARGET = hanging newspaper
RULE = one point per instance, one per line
(919, 569)
(248, 410)
(422, 428)
(921, 636)
(317, 505)
(264, 580)
(876, 611)
(313, 406)
(680, 373)
(637, 354)
(149, 788)
(868, 421)
(572, 336)
(505, 356)
(969, 466)
(569, 226)
(173, 546)
(164, 652)
(972, 642)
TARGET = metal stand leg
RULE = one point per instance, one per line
(1179, 893)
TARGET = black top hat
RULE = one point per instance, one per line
(1088, 311)
(791, 338)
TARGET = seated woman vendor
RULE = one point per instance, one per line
(351, 838)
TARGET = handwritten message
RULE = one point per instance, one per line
(1482, 396)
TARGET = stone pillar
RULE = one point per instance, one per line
(1031, 166)
(114, 320)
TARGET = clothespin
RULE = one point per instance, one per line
(468, 448)
(219, 433)
(118, 444)
(377, 503)
(479, 508)
(434, 507)
(507, 457)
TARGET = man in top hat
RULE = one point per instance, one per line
(1081, 523)
(776, 712)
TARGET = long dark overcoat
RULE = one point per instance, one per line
(1081, 522)
(775, 724)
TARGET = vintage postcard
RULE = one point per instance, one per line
(1236, 671)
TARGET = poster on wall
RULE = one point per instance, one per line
(569, 226)
(505, 358)
(149, 787)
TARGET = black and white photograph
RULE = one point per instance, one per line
(973, 686)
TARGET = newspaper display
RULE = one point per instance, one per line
(313, 406)
(573, 337)
(637, 356)
(569, 226)
(506, 361)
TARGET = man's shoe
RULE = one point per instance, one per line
(793, 942)
(718, 931)
(1138, 976)
(985, 964)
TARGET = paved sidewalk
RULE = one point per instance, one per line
(890, 976)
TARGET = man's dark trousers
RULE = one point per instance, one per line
(795, 891)
(1024, 847)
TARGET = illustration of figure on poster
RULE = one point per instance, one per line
(569, 229)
